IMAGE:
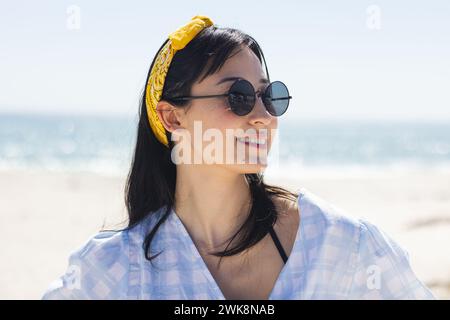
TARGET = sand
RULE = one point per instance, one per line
(45, 216)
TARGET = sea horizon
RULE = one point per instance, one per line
(103, 144)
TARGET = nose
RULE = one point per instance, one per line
(259, 114)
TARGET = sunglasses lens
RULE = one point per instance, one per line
(276, 98)
(241, 97)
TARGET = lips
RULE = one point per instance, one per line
(256, 142)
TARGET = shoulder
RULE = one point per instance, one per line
(383, 269)
(287, 210)
(329, 242)
(106, 266)
(324, 222)
(321, 225)
(287, 224)
(371, 263)
(96, 270)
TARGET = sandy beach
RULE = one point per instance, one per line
(45, 216)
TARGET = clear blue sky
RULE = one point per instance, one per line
(333, 63)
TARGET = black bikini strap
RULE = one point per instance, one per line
(278, 245)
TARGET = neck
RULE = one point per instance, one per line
(212, 203)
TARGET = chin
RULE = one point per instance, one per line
(249, 168)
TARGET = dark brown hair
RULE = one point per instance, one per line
(152, 178)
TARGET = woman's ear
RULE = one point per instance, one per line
(169, 115)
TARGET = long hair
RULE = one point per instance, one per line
(152, 177)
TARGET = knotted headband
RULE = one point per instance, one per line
(155, 84)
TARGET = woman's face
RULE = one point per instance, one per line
(213, 127)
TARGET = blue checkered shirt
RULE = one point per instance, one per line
(334, 256)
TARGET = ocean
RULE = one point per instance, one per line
(104, 144)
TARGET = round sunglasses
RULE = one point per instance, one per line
(242, 97)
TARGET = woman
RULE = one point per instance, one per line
(212, 229)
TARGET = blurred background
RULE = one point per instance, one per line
(368, 128)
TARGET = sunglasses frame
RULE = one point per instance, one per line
(255, 93)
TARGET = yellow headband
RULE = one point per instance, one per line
(177, 41)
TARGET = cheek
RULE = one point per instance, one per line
(213, 122)
(223, 119)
